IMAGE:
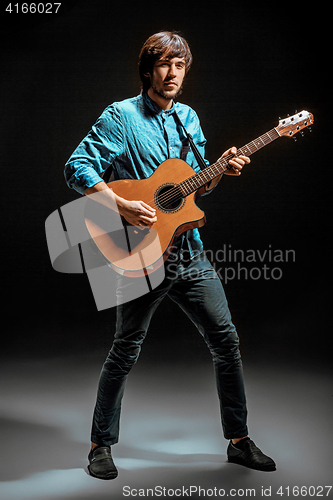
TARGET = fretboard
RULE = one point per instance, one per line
(209, 173)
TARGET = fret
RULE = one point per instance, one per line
(266, 139)
(185, 191)
(260, 142)
(273, 133)
(203, 173)
(220, 166)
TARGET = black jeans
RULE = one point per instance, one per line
(196, 288)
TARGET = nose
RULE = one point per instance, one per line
(172, 70)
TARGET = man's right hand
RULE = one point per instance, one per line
(137, 213)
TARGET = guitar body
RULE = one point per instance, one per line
(135, 251)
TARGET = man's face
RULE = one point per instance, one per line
(168, 76)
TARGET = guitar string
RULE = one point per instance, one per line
(172, 195)
(175, 193)
(190, 183)
(250, 148)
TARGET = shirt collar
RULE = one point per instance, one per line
(155, 108)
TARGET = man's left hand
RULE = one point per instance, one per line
(237, 162)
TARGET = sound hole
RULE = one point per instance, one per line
(169, 198)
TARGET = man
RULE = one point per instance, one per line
(134, 137)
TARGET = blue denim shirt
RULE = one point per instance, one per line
(133, 137)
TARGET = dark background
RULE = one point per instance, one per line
(252, 64)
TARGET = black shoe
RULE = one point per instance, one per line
(249, 455)
(101, 464)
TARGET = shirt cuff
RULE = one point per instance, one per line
(81, 182)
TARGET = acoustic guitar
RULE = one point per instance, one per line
(172, 191)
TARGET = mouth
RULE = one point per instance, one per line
(170, 84)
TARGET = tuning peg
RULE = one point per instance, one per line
(302, 133)
(296, 111)
(295, 138)
(310, 129)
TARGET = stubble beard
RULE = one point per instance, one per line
(166, 95)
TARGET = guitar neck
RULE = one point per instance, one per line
(209, 173)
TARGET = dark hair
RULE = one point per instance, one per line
(168, 44)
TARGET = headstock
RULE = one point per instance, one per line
(293, 124)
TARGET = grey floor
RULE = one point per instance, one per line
(170, 433)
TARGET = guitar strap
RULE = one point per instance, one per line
(199, 158)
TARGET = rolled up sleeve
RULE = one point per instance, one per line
(96, 152)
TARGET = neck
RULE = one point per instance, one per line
(163, 102)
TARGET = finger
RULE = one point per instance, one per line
(246, 159)
(230, 151)
(148, 221)
(237, 164)
(240, 160)
(147, 207)
(235, 168)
